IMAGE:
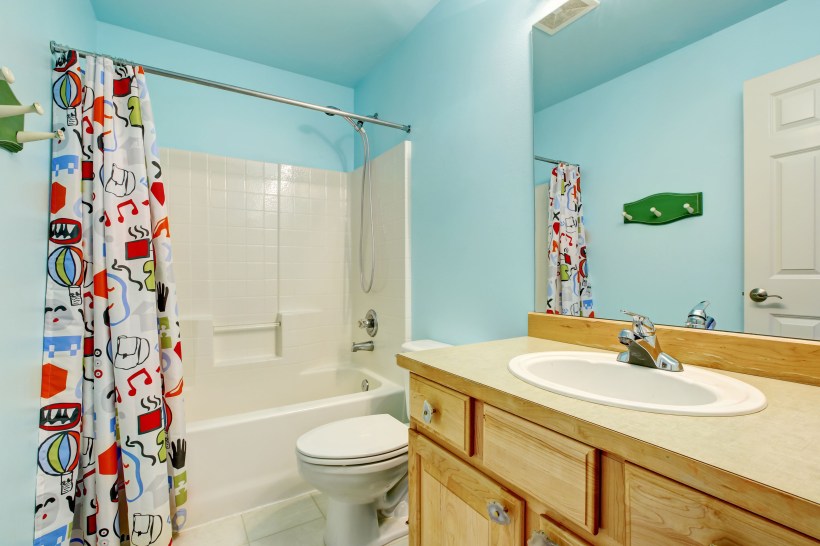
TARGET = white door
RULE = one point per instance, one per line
(782, 201)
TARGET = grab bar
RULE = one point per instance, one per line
(246, 327)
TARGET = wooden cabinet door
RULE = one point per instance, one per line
(451, 502)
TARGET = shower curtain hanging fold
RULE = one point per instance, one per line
(55, 48)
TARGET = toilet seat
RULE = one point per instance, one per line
(353, 462)
(356, 441)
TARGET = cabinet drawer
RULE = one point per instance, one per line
(450, 419)
(662, 511)
(559, 471)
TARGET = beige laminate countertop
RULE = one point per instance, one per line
(778, 446)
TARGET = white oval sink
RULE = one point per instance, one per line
(600, 378)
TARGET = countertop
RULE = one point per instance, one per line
(778, 446)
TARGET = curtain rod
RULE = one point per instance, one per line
(553, 161)
(55, 47)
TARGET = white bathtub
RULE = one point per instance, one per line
(243, 425)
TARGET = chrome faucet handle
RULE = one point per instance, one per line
(370, 323)
(641, 325)
(698, 318)
(626, 337)
(644, 348)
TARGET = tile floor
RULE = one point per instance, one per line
(294, 522)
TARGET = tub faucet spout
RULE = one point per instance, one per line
(362, 346)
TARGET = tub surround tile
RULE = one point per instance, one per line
(228, 531)
(391, 287)
(278, 517)
(226, 214)
(260, 243)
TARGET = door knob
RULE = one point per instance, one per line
(759, 294)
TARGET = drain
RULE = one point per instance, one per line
(365, 385)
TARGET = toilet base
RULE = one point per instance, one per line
(349, 524)
(358, 525)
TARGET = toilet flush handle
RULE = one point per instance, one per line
(427, 412)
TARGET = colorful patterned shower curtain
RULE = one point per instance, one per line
(111, 455)
(568, 290)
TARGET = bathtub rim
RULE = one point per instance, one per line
(386, 387)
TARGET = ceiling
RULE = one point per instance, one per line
(621, 35)
(334, 40)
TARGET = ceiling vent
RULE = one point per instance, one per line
(565, 14)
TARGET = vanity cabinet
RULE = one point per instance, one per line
(483, 475)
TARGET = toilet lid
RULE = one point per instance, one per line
(369, 437)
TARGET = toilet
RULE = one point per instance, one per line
(360, 464)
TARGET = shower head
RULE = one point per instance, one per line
(358, 125)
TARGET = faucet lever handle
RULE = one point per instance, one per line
(641, 325)
(626, 337)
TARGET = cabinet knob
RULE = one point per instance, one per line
(538, 538)
(498, 513)
(427, 412)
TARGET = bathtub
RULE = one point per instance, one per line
(243, 425)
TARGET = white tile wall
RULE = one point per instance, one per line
(255, 242)
(390, 295)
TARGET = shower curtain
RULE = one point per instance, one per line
(568, 290)
(111, 453)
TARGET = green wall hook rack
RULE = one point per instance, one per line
(663, 208)
(12, 117)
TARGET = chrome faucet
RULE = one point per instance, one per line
(698, 318)
(643, 347)
(362, 346)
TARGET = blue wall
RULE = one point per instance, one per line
(462, 79)
(203, 119)
(673, 125)
(24, 184)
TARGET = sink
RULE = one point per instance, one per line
(600, 378)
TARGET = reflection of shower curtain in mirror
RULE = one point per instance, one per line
(111, 456)
(568, 290)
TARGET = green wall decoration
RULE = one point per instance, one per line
(663, 208)
(11, 125)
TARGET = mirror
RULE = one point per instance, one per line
(647, 97)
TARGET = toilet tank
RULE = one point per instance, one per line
(412, 346)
